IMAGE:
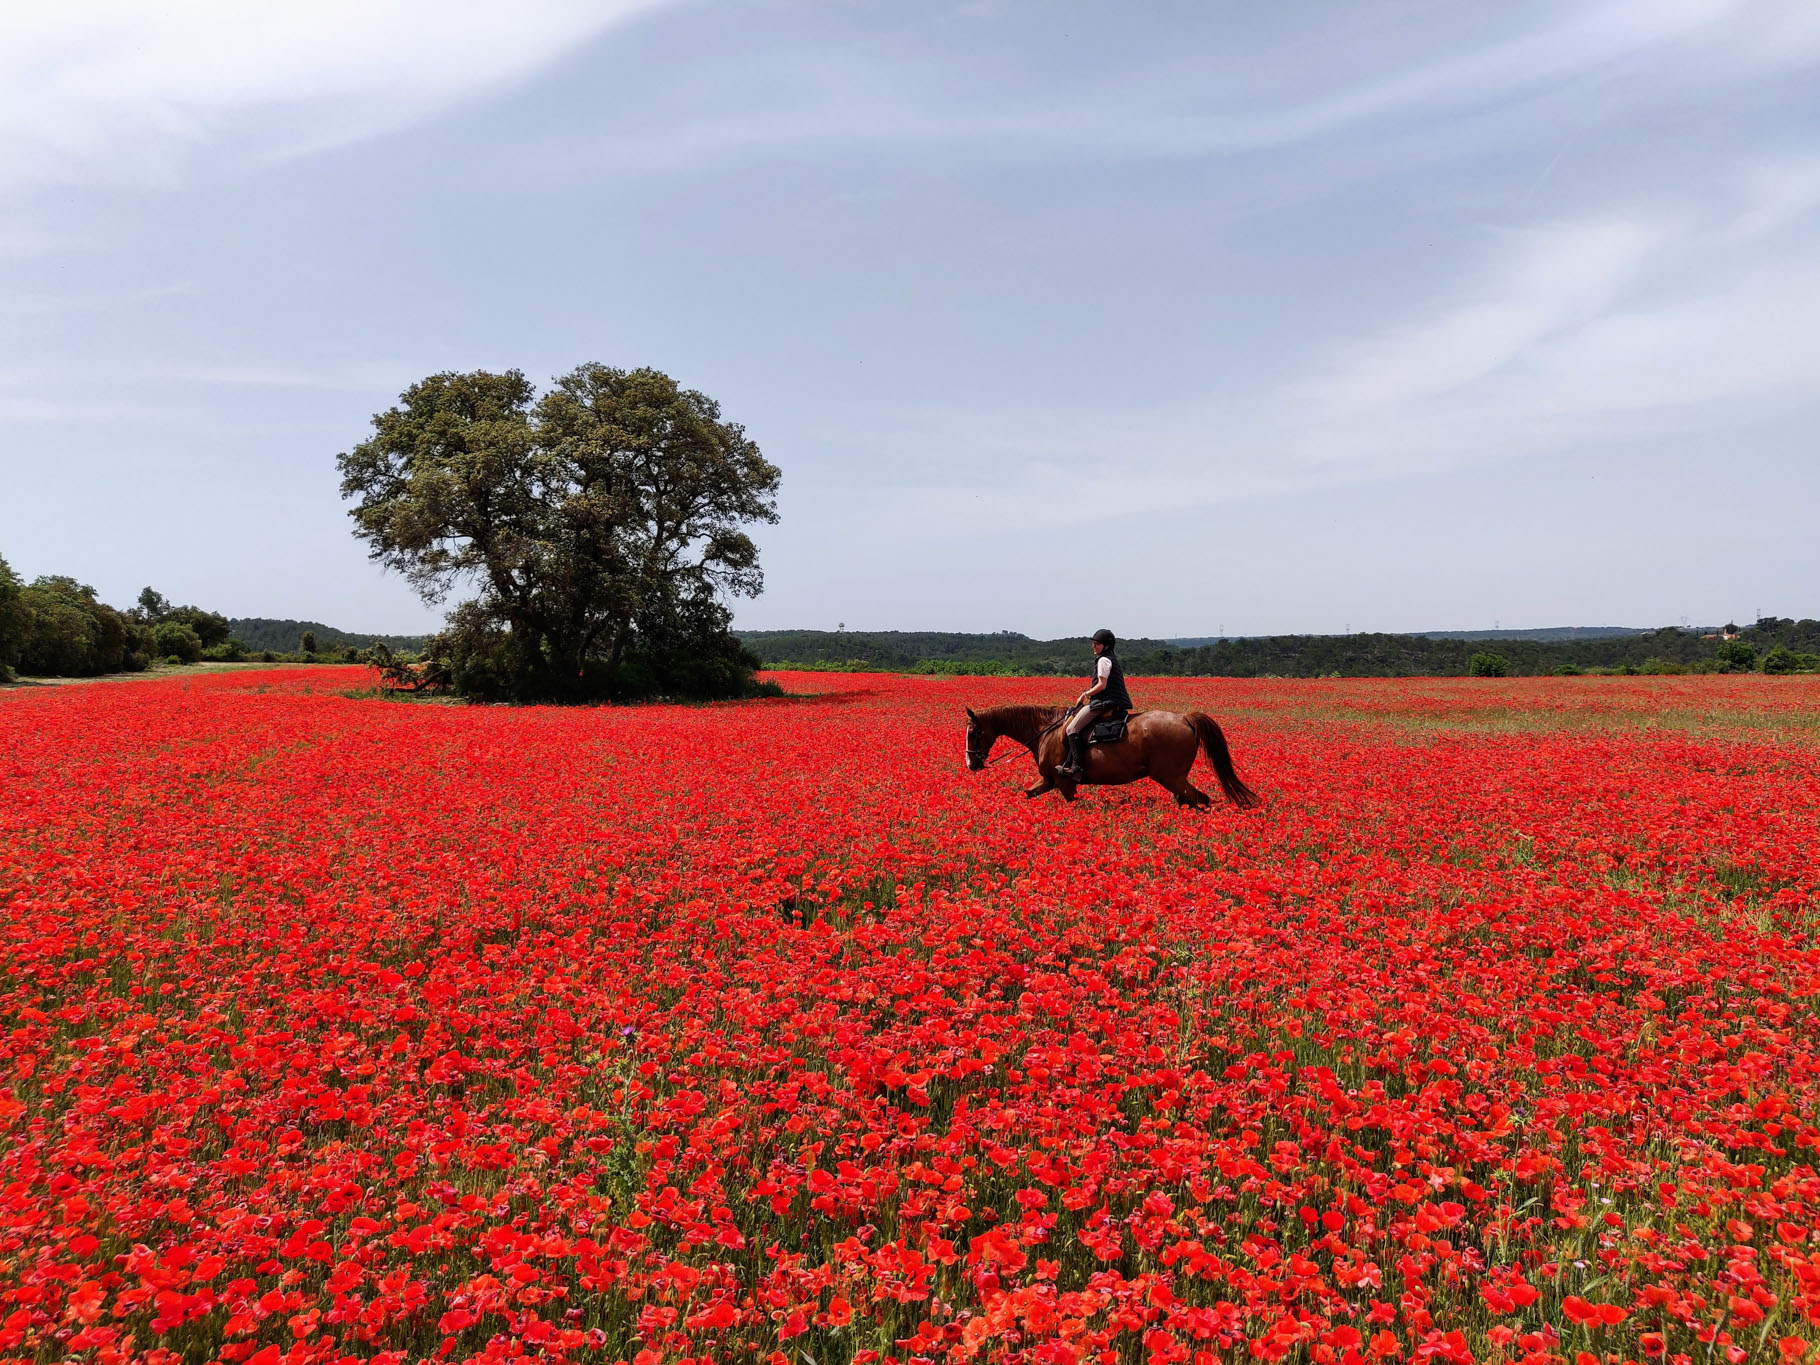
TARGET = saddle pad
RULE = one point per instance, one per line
(1108, 731)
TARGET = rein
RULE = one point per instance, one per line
(1012, 753)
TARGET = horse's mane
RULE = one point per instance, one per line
(1022, 723)
(1043, 714)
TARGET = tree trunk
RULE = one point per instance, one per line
(622, 633)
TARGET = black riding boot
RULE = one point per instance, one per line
(1075, 765)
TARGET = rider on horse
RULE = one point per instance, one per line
(1105, 699)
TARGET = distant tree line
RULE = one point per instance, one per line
(1772, 645)
(1668, 650)
(263, 632)
(931, 651)
(55, 626)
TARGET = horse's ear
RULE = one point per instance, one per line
(970, 715)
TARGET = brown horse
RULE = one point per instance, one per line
(1158, 744)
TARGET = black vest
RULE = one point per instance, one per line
(1115, 694)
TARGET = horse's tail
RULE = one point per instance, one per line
(1213, 740)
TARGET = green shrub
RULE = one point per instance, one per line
(1659, 667)
(1735, 656)
(965, 668)
(1780, 659)
(176, 642)
(827, 666)
(1568, 670)
(211, 627)
(1487, 665)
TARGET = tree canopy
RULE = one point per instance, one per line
(153, 609)
(70, 632)
(600, 526)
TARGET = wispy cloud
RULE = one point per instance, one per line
(833, 99)
(1588, 332)
(1557, 279)
(114, 89)
(1566, 337)
(1780, 192)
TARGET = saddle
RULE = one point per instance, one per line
(1109, 731)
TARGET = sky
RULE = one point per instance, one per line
(1180, 319)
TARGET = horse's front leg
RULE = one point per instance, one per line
(1043, 784)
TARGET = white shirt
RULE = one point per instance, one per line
(1105, 666)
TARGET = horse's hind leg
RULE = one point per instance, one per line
(1187, 794)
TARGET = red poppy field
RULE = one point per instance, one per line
(339, 1027)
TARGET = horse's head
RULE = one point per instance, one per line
(980, 736)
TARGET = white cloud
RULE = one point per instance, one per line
(1757, 340)
(1571, 338)
(1559, 277)
(109, 89)
(1778, 193)
(1597, 332)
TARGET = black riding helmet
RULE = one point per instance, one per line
(1105, 637)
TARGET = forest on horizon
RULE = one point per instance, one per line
(1363, 655)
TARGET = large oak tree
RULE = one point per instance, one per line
(600, 525)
